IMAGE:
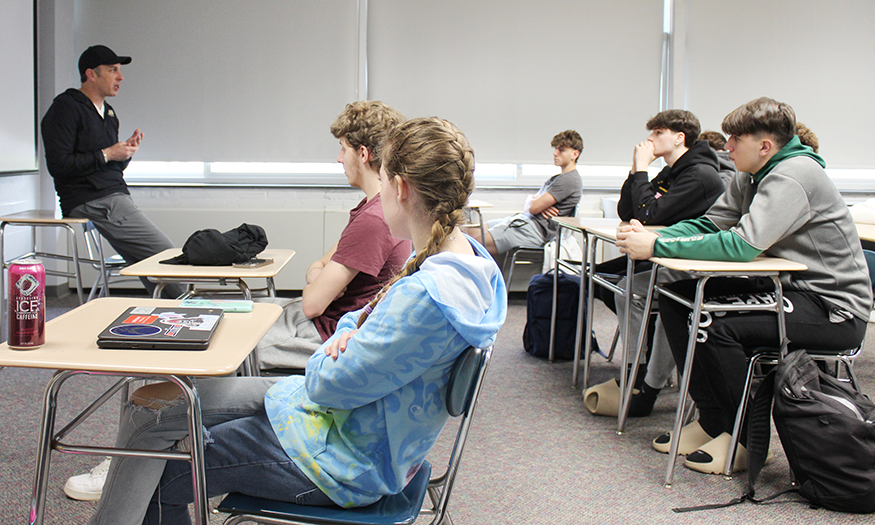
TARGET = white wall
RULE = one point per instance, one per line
(18, 192)
(817, 56)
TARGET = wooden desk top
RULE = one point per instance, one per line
(866, 232)
(760, 264)
(40, 217)
(474, 203)
(586, 224)
(604, 228)
(152, 268)
(71, 342)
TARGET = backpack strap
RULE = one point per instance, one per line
(759, 431)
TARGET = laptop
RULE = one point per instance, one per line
(160, 328)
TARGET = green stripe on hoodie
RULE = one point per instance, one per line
(702, 239)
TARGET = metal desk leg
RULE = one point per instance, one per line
(482, 224)
(244, 289)
(552, 350)
(271, 287)
(589, 269)
(685, 380)
(627, 311)
(76, 269)
(44, 449)
(625, 400)
(581, 312)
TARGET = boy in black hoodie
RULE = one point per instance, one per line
(684, 189)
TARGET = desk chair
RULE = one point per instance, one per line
(107, 267)
(463, 390)
(771, 356)
(525, 255)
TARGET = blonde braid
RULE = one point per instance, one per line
(434, 157)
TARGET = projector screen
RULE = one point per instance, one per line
(18, 114)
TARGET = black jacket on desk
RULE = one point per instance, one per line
(74, 135)
(683, 191)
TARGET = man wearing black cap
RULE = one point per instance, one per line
(87, 161)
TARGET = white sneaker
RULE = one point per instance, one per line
(88, 487)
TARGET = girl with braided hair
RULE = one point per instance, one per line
(360, 422)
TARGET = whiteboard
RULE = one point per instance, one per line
(18, 112)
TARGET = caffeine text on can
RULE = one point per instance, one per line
(27, 304)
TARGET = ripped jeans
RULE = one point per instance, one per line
(241, 454)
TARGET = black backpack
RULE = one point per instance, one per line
(539, 308)
(827, 430)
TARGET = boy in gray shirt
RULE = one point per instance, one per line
(558, 197)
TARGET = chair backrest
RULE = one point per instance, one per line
(463, 391)
(463, 380)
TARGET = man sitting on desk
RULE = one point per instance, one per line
(87, 161)
(357, 266)
(781, 203)
(558, 197)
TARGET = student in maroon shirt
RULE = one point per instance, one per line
(365, 257)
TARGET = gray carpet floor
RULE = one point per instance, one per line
(535, 455)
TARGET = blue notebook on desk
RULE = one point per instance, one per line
(161, 328)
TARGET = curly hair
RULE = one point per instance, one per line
(366, 123)
(678, 121)
(807, 137)
(715, 139)
(763, 115)
(568, 139)
(434, 158)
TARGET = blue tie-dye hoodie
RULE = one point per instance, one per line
(360, 426)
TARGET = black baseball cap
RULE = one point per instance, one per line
(99, 56)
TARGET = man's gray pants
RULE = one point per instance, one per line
(127, 229)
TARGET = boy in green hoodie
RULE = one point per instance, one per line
(781, 204)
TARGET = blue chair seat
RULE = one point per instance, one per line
(399, 509)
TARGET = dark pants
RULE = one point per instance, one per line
(618, 268)
(727, 339)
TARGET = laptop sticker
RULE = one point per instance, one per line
(134, 330)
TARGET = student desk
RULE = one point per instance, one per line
(190, 275)
(703, 271)
(40, 219)
(593, 230)
(475, 206)
(866, 232)
(71, 348)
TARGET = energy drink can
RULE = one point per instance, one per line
(27, 304)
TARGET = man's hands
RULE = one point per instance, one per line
(339, 344)
(642, 156)
(636, 241)
(124, 150)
